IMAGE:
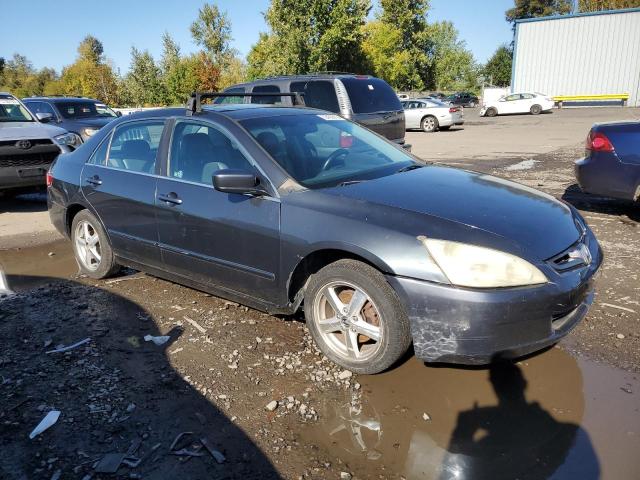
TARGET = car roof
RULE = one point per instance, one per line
(63, 99)
(238, 111)
(306, 76)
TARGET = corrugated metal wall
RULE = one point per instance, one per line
(579, 55)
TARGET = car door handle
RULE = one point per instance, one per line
(95, 180)
(171, 197)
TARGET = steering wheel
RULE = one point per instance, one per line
(328, 164)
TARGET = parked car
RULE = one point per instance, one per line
(82, 116)
(27, 147)
(611, 165)
(430, 115)
(367, 100)
(533, 103)
(464, 99)
(277, 207)
(438, 96)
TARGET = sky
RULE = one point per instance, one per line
(48, 32)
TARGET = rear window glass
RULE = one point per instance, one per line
(81, 110)
(223, 100)
(318, 94)
(275, 99)
(370, 95)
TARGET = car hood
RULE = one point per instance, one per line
(28, 130)
(537, 223)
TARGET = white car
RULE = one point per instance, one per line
(430, 114)
(532, 103)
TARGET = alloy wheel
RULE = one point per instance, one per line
(348, 321)
(87, 243)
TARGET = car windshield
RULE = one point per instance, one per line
(12, 111)
(81, 109)
(371, 95)
(325, 150)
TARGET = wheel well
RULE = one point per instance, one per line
(313, 262)
(72, 211)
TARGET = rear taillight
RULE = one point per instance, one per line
(49, 178)
(453, 109)
(598, 142)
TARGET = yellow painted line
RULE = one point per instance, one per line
(566, 98)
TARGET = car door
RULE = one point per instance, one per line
(226, 240)
(510, 104)
(119, 182)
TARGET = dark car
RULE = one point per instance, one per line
(366, 100)
(79, 115)
(611, 166)
(277, 207)
(464, 99)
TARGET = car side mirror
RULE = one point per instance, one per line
(238, 181)
(44, 117)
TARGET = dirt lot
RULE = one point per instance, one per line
(573, 410)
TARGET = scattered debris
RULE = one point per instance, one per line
(56, 475)
(123, 279)
(620, 336)
(110, 463)
(345, 476)
(196, 325)
(70, 347)
(219, 457)
(345, 374)
(48, 421)
(177, 439)
(272, 405)
(426, 417)
(159, 340)
(625, 309)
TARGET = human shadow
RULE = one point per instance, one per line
(516, 439)
(116, 393)
(599, 204)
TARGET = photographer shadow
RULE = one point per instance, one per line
(516, 439)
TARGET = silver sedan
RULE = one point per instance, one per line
(430, 114)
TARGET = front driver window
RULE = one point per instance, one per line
(135, 145)
(199, 150)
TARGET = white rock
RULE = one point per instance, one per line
(272, 405)
(426, 417)
(345, 374)
(345, 476)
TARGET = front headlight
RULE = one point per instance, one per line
(89, 132)
(69, 139)
(470, 266)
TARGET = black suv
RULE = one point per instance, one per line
(367, 100)
(79, 115)
(464, 99)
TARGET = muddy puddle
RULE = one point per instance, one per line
(550, 416)
(25, 269)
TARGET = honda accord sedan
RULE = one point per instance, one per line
(282, 208)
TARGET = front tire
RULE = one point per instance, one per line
(429, 124)
(91, 246)
(355, 317)
(491, 112)
(535, 109)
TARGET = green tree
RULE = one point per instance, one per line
(310, 35)
(212, 31)
(143, 84)
(91, 49)
(599, 5)
(498, 67)
(18, 76)
(537, 8)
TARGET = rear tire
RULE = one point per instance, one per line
(472, 104)
(429, 124)
(355, 317)
(91, 246)
(535, 109)
(491, 112)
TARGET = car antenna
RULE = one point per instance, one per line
(194, 103)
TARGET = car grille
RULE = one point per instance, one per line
(30, 159)
(34, 142)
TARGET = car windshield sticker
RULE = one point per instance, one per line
(330, 117)
(8, 101)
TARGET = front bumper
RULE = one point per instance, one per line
(22, 177)
(475, 326)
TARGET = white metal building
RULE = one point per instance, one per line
(582, 54)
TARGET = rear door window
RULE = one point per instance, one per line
(134, 146)
(270, 100)
(318, 94)
(371, 95)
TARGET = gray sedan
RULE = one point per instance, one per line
(429, 114)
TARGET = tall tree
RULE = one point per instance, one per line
(498, 67)
(143, 84)
(212, 31)
(537, 8)
(91, 49)
(310, 35)
(600, 5)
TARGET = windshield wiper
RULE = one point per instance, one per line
(410, 167)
